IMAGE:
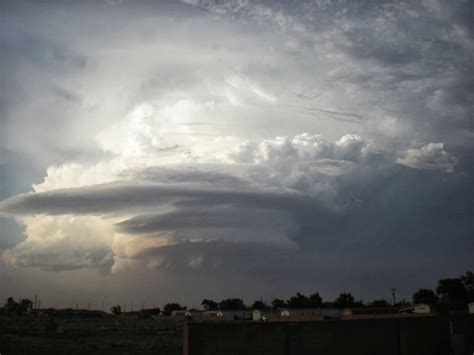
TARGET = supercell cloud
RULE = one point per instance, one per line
(324, 142)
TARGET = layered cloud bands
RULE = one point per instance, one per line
(270, 192)
(257, 193)
(254, 138)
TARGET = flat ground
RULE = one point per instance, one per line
(107, 335)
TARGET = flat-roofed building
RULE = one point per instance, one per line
(420, 308)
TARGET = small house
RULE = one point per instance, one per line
(235, 314)
(264, 314)
(216, 316)
(422, 308)
(256, 314)
(284, 312)
(302, 314)
(180, 314)
(419, 308)
(370, 313)
(346, 312)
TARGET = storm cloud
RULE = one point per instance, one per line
(259, 138)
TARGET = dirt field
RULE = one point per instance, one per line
(108, 335)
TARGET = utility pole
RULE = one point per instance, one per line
(394, 290)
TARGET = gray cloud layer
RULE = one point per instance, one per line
(167, 137)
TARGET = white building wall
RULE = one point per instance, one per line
(256, 314)
(422, 308)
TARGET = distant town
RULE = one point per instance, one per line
(436, 321)
(451, 294)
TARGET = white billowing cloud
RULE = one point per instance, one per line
(128, 250)
(76, 175)
(301, 148)
(175, 142)
(126, 264)
(304, 162)
(132, 203)
(431, 156)
(63, 242)
(252, 192)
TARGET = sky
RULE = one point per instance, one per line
(158, 151)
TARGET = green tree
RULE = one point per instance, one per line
(426, 296)
(11, 305)
(452, 294)
(298, 301)
(278, 303)
(344, 300)
(315, 300)
(116, 310)
(379, 303)
(232, 304)
(170, 307)
(402, 303)
(260, 305)
(468, 281)
(209, 305)
(154, 311)
(24, 306)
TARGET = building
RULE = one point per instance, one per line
(385, 312)
(366, 311)
(180, 314)
(258, 315)
(234, 314)
(346, 312)
(419, 308)
(303, 314)
(325, 312)
(196, 313)
(215, 316)
(284, 312)
(285, 315)
(272, 314)
(264, 314)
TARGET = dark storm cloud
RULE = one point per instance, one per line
(117, 197)
(188, 175)
(395, 204)
(220, 217)
(388, 203)
(416, 55)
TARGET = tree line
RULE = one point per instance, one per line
(450, 294)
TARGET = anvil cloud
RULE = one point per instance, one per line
(325, 143)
